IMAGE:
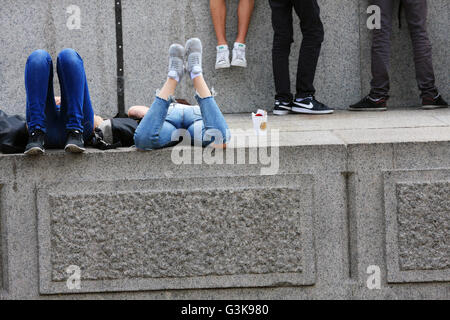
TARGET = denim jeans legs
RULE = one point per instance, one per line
(75, 112)
(164, 124)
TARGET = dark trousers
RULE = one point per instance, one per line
(416, 15)
(313, 34)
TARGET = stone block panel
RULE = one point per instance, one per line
(417, 208)
(134, 236)
(28, 25)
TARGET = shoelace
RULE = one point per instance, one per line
(194, 60)
(222, 56)
(36, 135)
(175, 64)
(240, 54)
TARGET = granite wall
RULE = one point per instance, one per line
(149, 28)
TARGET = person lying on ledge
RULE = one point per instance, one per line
(67, 122)
(163, 123)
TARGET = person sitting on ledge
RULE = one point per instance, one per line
(163, 121)
(219, 17)
(64, 126)
(416, 15)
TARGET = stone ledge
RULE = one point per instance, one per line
(335, 186)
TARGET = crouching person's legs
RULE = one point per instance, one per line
(76, 107)
(41, 107)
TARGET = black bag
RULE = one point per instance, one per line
(13, 133)
(123, 131)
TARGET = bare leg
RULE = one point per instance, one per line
(219, 17)
(168, 89)
(201, 87)
(245, 12)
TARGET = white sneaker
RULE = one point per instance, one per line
(239, 59)
(223, 57)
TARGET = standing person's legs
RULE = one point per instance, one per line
(416, 14)
(283, 38)
(381, 51)
(76, 107)
(313, 34)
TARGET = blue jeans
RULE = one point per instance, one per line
(75, 112)
(163, 125)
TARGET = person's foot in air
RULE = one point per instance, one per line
(194, 51)
(239, 59)
(176, 62)
(223, 57)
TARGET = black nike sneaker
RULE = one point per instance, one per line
(310, 106)
(369, 104)
(282, 108)
(75, 143)
(436, 103)
(35, 144)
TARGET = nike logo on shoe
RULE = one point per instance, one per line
(307, 106)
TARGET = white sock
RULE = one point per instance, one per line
(195, 75)
(174, 76)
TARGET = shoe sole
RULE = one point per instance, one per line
(309, 111)
(72, 148)
(35, 151)
(239, 64)
(367, 109)
(431, 107)
(281, 112)
(225, 66)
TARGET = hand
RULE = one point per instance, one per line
(58, 101)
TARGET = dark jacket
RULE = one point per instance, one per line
(13, 133)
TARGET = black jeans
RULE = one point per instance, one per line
(313, 34)
(416, 15)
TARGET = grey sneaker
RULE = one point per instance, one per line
(176, 62)
(194, 56)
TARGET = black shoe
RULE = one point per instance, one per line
(35, 144)
(310, 106)
(75, 143)
(436, 103)
(368, 104)
(282, 108)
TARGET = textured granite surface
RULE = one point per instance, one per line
(343, 73)
(28, 25)
(176, 234)
(351, 221)
(424, 226)
(417, 212)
